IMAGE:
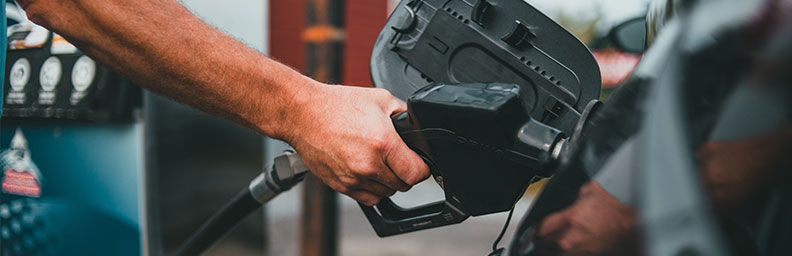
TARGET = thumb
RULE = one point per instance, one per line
(396, 106)
(406, 164)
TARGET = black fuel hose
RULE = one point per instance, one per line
(287, 170)
(218, 225)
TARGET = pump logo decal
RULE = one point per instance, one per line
(20, 175)
(21, 183)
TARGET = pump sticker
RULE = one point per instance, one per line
(26, 35)
(20, 176)
(49, 77)
(21, 183)
(61, 46)
(18, 77)
(82, 75)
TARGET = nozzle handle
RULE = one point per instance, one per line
(389, 219)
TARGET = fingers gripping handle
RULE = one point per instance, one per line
(389, 219)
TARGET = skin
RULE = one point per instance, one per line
(596, 224)
(734, 172)
(737, 171)
(344, 134)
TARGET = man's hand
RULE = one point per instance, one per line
(597, 224)
(346, 137)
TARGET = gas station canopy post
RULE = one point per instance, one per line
(323, 37)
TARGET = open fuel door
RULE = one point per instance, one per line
(504, 41)
(495, 88)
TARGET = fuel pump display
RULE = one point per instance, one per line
(65, 87)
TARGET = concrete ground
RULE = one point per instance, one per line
(472, 237)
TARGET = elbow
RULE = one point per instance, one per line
(40, 12)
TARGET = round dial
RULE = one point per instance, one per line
(20, 74)
(50, 73)
(83, 73)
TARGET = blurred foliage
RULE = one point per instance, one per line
(583, 28)
(582, 22)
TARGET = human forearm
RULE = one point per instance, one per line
(596, 224)
(165, 48)
(736, 171)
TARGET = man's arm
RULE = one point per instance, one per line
(344, 134)
(733, 172)
(738, 171)
(596, 224)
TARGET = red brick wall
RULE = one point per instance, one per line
(286, 23)
(364, 20)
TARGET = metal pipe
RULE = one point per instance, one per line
(323, 39)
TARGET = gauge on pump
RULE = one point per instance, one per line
(20, 74)
(50, 73)
(83, 73)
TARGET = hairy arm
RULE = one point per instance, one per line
(734, 172)
(162, 46)
(344, 134)
(737, 171)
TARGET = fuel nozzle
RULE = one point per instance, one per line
(482, 146)
(541, 143)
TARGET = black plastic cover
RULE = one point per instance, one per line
(481, 146)
(469, 137)
(504, 41)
